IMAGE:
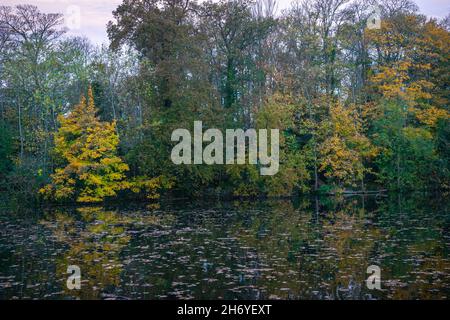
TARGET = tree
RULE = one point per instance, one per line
(236, 34)
(407, 157)
(87, 149)
(407, 83)
(30, 36)
(42, 74)
(345, 148)
(443, 148)
(338, 92)
(5, 151)
(280, 112)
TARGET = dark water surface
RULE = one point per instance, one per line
(303, 249)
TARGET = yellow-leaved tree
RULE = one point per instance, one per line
(344, 149)
(86, 148)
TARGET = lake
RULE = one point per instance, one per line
(307, 248)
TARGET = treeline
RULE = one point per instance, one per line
(358, 108)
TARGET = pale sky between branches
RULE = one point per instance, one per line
(95, 14)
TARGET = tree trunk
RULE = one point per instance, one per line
(22, 142)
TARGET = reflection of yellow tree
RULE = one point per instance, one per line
(319, 249)
(352, 242)
(95, 248)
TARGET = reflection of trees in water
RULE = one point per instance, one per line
(95, 238)
(309, 252)
(322, 249)
(312, 248)
(352, 241)
(416, 247)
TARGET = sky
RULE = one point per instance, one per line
(89, 17)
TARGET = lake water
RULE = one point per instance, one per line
(311, 248)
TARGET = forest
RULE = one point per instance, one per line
(359, 109)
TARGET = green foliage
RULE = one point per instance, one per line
(356, 108)
(5, 152)
(443, 150)
(407, 157)
(279, 112)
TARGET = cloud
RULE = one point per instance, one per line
(434, 8)
(95, 14)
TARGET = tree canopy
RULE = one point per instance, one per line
(357, 108)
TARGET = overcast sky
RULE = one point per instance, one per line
(95, 14)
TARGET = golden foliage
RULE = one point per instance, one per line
(344, 148)
(88, 148)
